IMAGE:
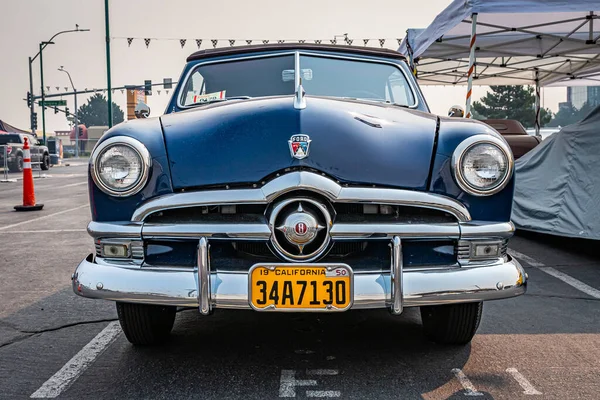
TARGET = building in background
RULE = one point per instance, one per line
(577, 96)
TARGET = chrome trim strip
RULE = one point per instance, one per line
(204, 292)
(483, 230)
(137, 147)
(396, 277)
(212, 231)
(230, 290)
(402, 66)
(305, 181)
(465, 146)
(344, 231)
(117, 229)
(197, 199)
(409, 198)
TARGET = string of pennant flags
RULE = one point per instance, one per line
(50, 89)
(342, 40)
(214, 43)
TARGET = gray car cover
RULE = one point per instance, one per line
(558, 183)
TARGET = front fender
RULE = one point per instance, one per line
(452, 132)
(148, 131)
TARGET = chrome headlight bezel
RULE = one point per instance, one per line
(135, 145)
(463, 148)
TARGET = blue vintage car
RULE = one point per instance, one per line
(300, 178)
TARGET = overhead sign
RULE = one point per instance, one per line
(53, 103)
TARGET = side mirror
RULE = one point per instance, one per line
(456, 112)
(142, 110)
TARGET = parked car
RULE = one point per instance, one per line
(300, 178)
(514, 132)
(12, 143)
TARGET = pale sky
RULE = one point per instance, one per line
(25, 23)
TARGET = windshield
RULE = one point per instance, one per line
(321, 76)
(9, 138)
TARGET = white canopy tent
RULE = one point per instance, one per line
(509, 42)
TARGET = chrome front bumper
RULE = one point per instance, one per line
(184, 288)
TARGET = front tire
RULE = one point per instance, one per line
(45, 165)
(452, 323)
(145, 324)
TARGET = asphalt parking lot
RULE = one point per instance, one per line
(544, 345)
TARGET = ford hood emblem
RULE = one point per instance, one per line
(299, 146)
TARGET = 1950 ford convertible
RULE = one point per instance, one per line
(300, 178)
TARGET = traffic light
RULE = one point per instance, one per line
(29, 99)
(34, 120)
(55, 110)
(67, 111)
(148, 87)
(79, 131)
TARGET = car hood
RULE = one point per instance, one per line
(243, 142)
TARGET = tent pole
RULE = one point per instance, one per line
(471, 64)
(538, 93)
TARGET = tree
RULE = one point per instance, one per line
(95, 112)
(511, 102)
(568, 115)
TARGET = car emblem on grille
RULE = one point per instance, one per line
(299, 146)
(300, 229)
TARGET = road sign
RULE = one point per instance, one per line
(53, 103)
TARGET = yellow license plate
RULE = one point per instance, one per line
(301, 287)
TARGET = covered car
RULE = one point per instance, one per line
(558, 184)
(300, 178)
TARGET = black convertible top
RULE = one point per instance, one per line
(254, 48)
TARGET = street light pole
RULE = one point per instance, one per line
(31, 60)
(75, 119)
(42, 45)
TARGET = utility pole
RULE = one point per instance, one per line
(108, 84)
(31, 107)
(42, 86)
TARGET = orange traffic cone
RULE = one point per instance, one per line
(28, 192)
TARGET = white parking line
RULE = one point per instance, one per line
(288, 383)
(61, 380)
(525, 384)
(466, 383)
(323, 393)
(74, 184)
(526, 258)
(569, 280)
(3, 228)
(322, 372)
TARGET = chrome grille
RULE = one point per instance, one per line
(98, 246)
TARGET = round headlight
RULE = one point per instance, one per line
(483, 165)
(120, 166)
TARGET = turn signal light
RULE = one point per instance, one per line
(115, 250)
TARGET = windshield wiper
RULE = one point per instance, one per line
(374, 100)
(221, 100)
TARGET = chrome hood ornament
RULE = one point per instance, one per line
(299, 100)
